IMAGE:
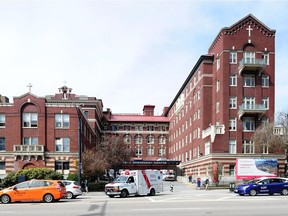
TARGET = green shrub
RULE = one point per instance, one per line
(96, 186)
(72, 177)
(31, 173)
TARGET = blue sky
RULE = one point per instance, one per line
(127, 53)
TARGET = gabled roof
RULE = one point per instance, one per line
(239, 24)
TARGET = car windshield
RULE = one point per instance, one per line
(253, 181)
(121, 179)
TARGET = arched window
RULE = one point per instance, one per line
(150, 139)
(138, 139)
(162, 139)
(127, 139)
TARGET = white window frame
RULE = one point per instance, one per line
(266, 58)
(248, 124)
(249, 57)
(233, 102)
(62, 144)
(232, 124)
(150, 151)
(30, 120)
(217, 107)
(249, 81)
(218, 86)
(265, 102)
(249, 102)
(138, 150)
(30, 141)
(233, 80)
(265, 81)
(62, 120)
(138, 139)
(232, 146)
(207, 148)
(233, 57)
(248, 147)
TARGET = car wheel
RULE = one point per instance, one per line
(253, 192)
(284, 192)
(152, 192)
(69, 195)
(48, 198)
(5, 199)
(124, 193)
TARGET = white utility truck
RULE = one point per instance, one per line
(136, 182)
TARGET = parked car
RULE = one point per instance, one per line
(263, 186)
(34, 190)
(73, 189)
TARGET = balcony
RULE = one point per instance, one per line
(251, 66)
(28, 150)
(212, 131)
(256, 109)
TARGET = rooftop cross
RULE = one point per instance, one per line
(29, 86)
(249, 29)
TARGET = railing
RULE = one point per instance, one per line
(278, 130)
(250, 107)
(28, 149)
(251, 64)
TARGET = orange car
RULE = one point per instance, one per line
(34, 190)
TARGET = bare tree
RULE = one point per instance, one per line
(115, 150)
(94, 164)
(265, 138)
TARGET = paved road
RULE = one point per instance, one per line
(185, 200)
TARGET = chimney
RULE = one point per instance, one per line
(148, 110)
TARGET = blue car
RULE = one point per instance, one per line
(263, 186)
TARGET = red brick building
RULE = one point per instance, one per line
(228, 94)
(47, 131)
(146, 134)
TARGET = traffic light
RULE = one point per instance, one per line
(75, 163)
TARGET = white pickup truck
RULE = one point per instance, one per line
(135, 182)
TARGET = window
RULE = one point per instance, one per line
(150, 139)
(150, 128)
(231, 170)
(2, 165)
(62, 144)
(138, 151)
(2, 144)
(265, 81)
(61, 165)
(265, 102)
(266, 58)
(86, 113)
(30, 120)
(127, 139)
(138, 128)
(162, 151)
(138, 139)
(62, 121)
(233, 80)
(217, 107)
(162, 140)
(233, 102)
(249, 81)
(218, 86)
(232, 124)
(207, 148)
(232, 146)
(249, 57)
(248, 147)
(30, 140)
(150, 151)
(2, 120)
(249, 102)
(233, 57)
(265, 148)
(248, 124)
(126, 128)
(217, 64)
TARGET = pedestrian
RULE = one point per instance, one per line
(86, 186)
(190, 178)
(207, 184)
(171, 187)
(198, 183)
